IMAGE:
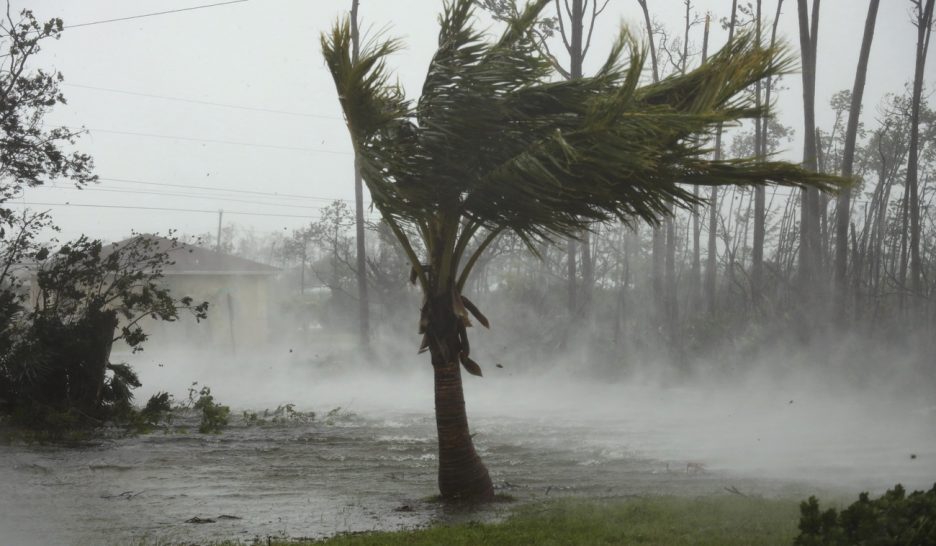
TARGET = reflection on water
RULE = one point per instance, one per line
(375, 469)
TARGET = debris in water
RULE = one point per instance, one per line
(126, 495)
(225, 516)
(197, 519)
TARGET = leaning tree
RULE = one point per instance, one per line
(498, 143)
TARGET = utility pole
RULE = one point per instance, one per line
(218, 241)
(363, 311)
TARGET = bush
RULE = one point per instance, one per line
(894, 519)
(54, 354)
(214, 416)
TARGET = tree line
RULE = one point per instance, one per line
(798, 264)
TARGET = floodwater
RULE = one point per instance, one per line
(360, 465)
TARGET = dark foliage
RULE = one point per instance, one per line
(894, 519)
(55, 355)
(31, 153)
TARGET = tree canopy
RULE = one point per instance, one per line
(498, 141)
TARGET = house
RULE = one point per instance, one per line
(238, 292)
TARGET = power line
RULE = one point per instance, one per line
(141, 16)
(137, 207)
(215, 188)
(214, 141)
(180, 194)
(204, 102)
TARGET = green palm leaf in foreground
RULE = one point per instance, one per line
(497, 143)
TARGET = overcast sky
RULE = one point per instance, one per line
(285, 135)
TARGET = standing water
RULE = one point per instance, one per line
(367, 459)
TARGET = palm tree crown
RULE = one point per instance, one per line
(497, 141)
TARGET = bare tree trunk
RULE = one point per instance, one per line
(711, 259)
(695, 281)
(760, 145)
(572, 274)
(361, 263)
(843, 205)
(670, 302)
(924, 23)
(653, 53)
(576, 57)
(659, 239)
(902, 252)
(809, 223)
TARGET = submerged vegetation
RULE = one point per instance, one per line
(214, 416)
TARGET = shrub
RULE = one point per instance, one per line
(894, 519)
(214, 416)
(54, 356)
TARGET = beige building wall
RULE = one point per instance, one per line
(238, 313)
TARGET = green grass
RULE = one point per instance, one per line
(717, 520)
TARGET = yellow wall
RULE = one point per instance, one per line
(238, 312)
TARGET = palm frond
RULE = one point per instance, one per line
(497, 139)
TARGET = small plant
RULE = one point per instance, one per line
(214, 416)
(251, 419)
(894, 519)
(158, 408)
(285, 414)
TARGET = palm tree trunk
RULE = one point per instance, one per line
(462, 475)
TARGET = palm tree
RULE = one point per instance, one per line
(497, 143)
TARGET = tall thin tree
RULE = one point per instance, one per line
(924, 23)
(843, 204)
(711, 258)
(659, 237)
(361, 258)
(809, 218)
(760, 214)
(695, 281)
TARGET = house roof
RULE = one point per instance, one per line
(195, 260)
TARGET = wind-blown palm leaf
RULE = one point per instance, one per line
(497, 142)
(494, 139)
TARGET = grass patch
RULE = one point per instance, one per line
(716, 521)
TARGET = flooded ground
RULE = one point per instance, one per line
(367, 466)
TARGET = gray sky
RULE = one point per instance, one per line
(287, 136)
